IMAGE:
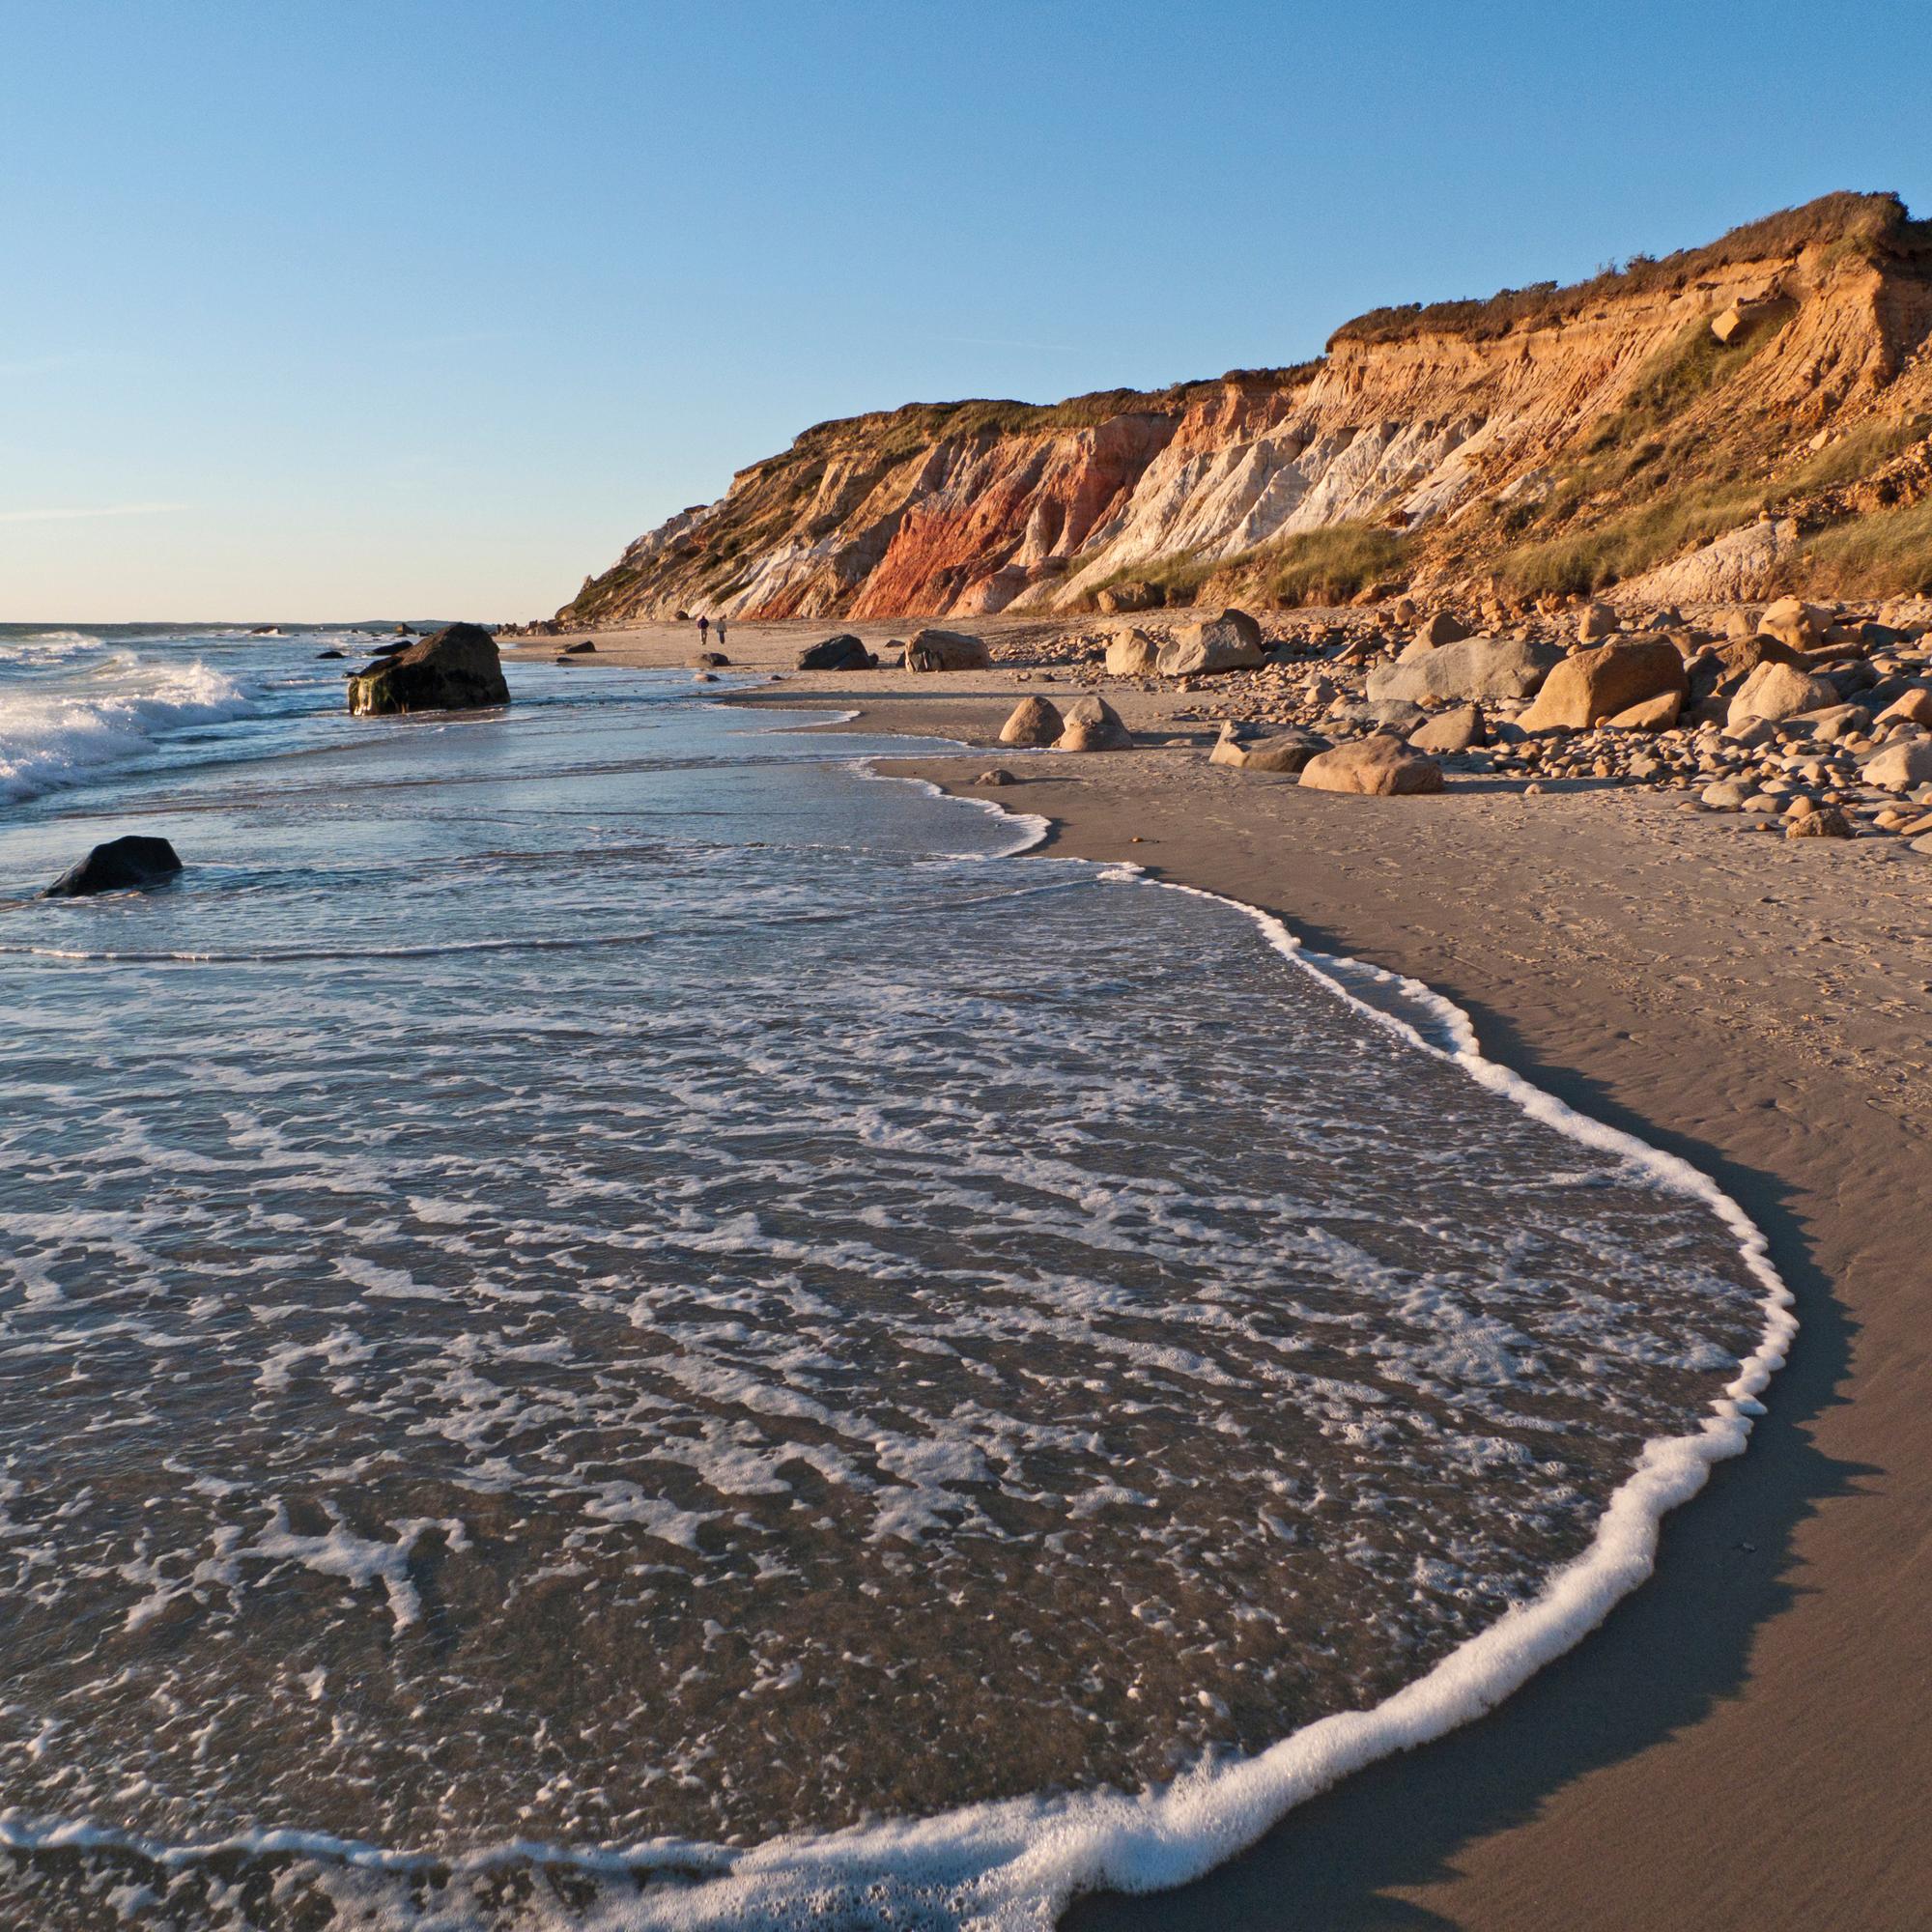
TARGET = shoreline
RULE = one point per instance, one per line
(1731, 1745)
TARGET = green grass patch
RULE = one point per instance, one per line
(1887, 554)
(1627, 545)
(1328, 565)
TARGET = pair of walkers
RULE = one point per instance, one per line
(704, 625)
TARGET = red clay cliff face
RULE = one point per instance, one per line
(1453, 427)
(1008, 515)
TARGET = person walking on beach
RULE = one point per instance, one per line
(719, 634)
(703, 625)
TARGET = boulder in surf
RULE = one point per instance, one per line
(454, 669)
(134, 864)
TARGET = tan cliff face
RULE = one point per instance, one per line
(1545, 442)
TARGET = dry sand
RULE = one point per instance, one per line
(1747, 1741)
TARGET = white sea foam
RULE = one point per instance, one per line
(50, 738)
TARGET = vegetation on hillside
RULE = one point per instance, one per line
(1861, 226)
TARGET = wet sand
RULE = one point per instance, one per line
(1745, 1741)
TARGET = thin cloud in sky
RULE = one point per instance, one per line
(57, 516)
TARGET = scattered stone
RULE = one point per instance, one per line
(1468, 670)
(1823, 822)
(454, 669)
(1265, 751)
(133, 863)
(947, 650)
(1592, 685)
(1132, 654)
(1597, 622)
(578, 650)
(710, 660)
(1652, 714)
(1034, 720)
(320, 656)
(1092, 725)
(1230, 641)
(1443, 628)
(1913, 708)
(844, 652)
(1133, 596)
(1450, 731)
(1794, 622)
(1776, 692)
(1901, 765)
(998, 776)
(1380, 765)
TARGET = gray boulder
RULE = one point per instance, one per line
(1230, 641)
(1255, 750)
(453, 669)
(1472, 670)
(947, 650)
(844, 652)
(133, 863)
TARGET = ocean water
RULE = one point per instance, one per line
(608, 1320)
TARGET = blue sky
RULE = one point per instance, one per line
(350, 309)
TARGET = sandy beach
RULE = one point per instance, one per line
(1740, 1742)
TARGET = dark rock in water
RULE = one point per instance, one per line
(457, 669)
(710, 660)
(844, 652)
(403, 631)
(578, 650)
(121, 864)
(320, 655)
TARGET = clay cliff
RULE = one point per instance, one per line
(1734, 420)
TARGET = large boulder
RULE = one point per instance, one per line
(1379, 765)
(1591, 685)
(453, 669)
(1092, 725)
(133, 863)
(1776, 692)
(1741, 656)
(1132, 654)
(1251, 750)
(1034, 721)
(1230, 641)
(1469, 671)
(1459, 731)
(1118, 597)
(1902, 766)
(844, 652)
(947, 650)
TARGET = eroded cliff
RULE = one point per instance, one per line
(1749, 416)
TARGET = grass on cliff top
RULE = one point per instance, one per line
(1863, 226)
